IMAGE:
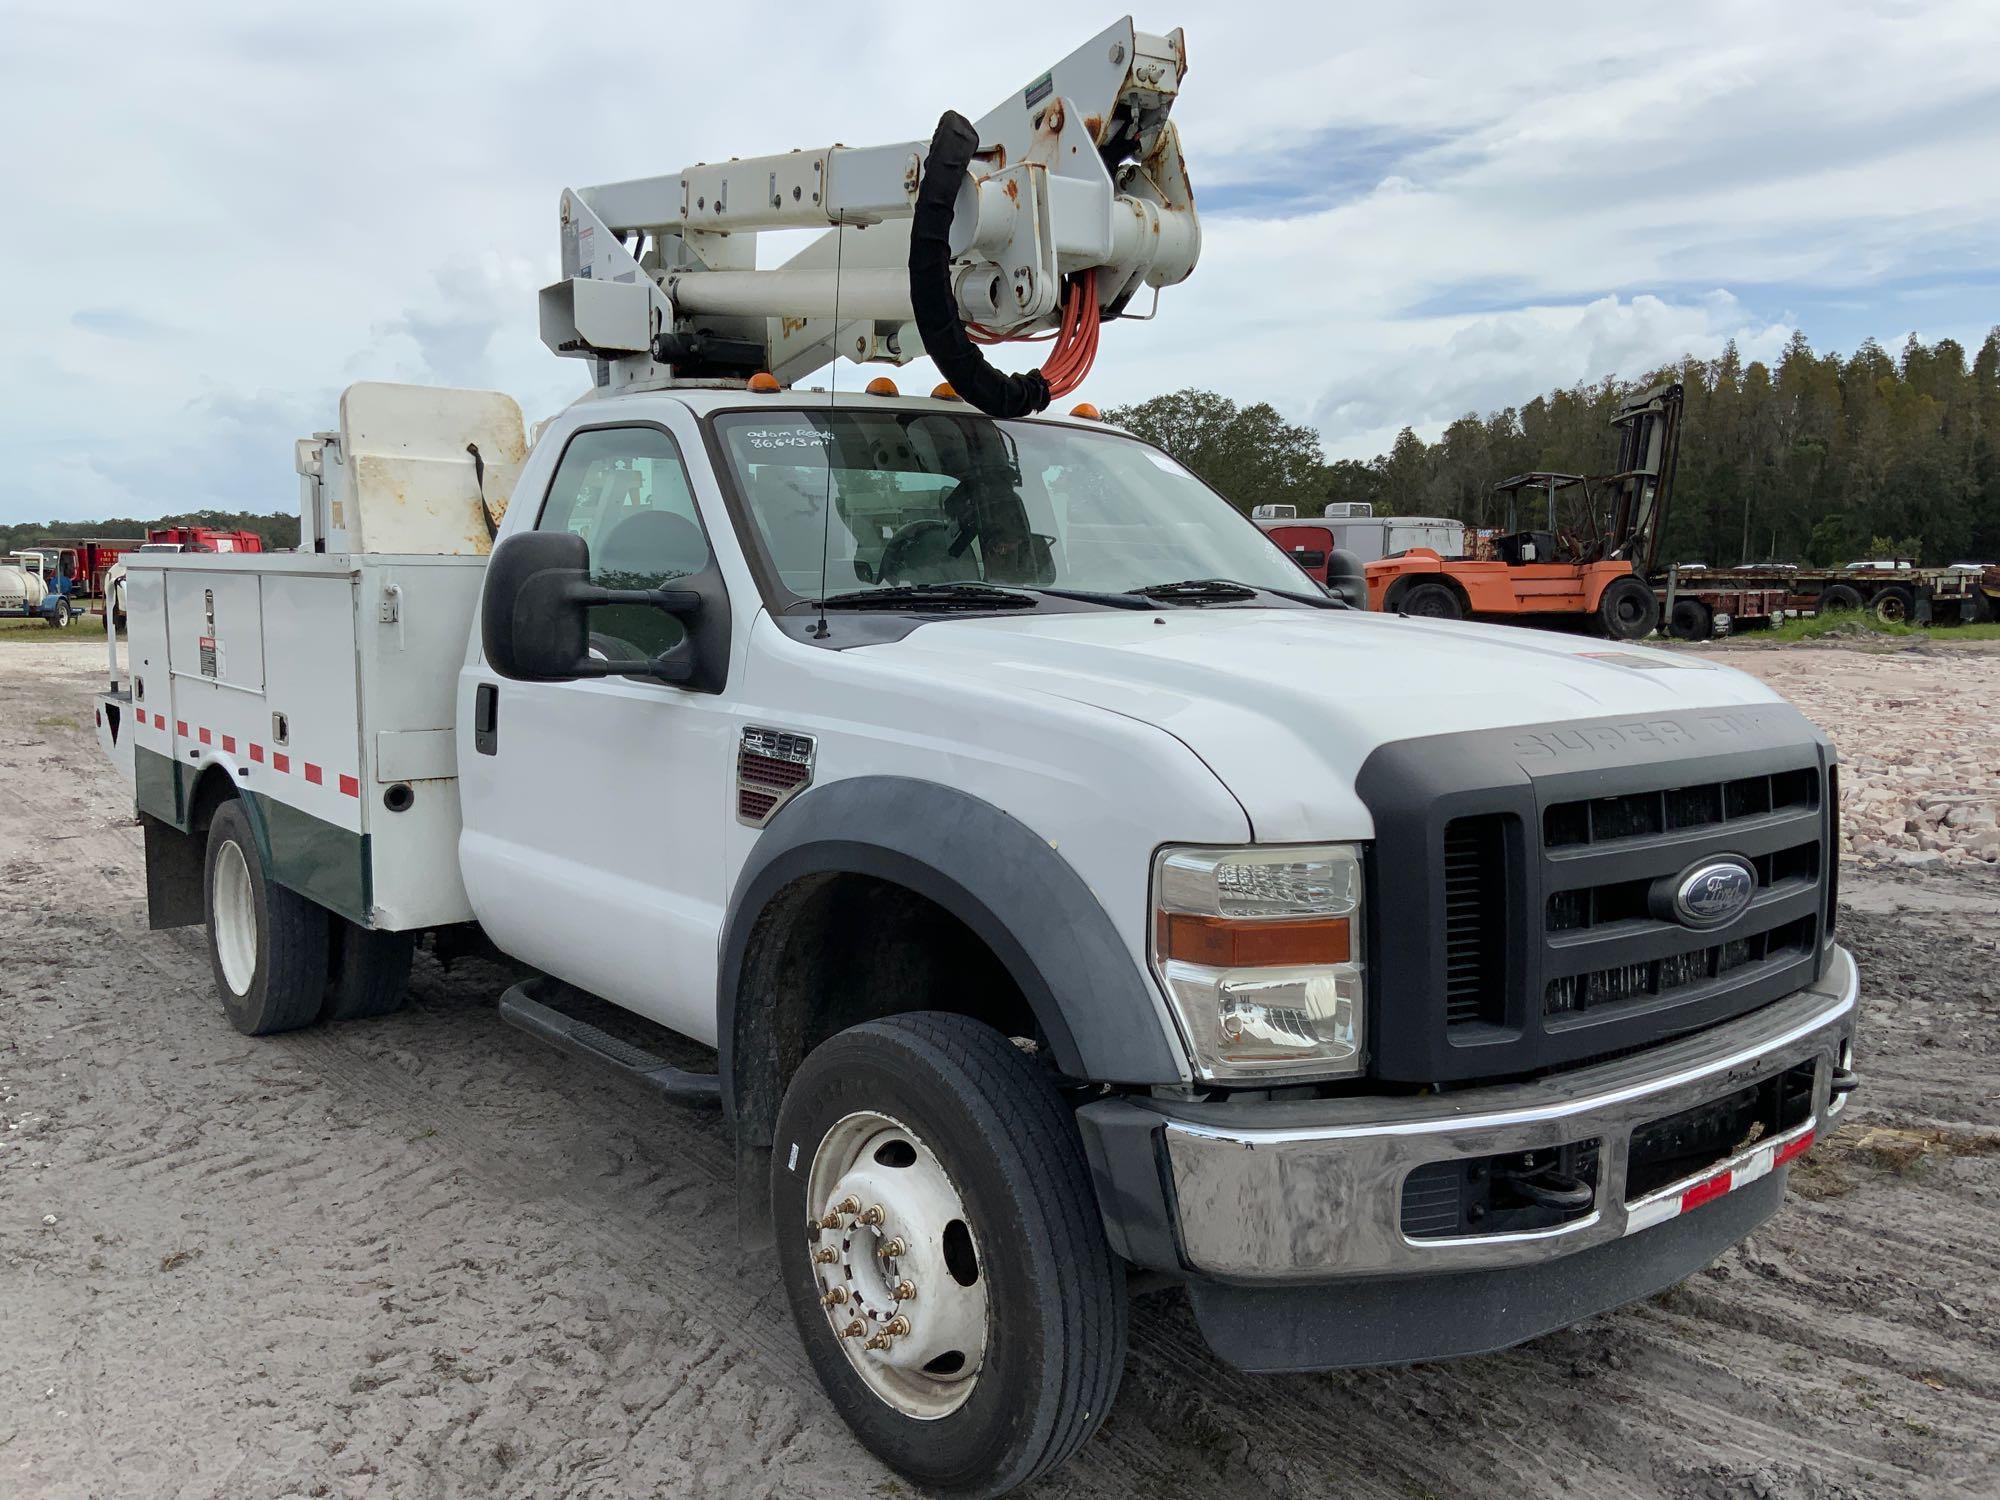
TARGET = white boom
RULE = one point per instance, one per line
(1079, 171)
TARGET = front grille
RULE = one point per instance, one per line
(1523, 917)
(1644, 840)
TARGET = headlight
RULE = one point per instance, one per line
(1260, 952)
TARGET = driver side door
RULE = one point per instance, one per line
(596, 809)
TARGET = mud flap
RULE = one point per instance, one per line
(174, 893)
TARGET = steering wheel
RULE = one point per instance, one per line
(921, 544)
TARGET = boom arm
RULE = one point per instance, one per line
(1078, 172)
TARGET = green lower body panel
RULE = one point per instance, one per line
(322, 862)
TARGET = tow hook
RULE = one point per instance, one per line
(1549, 1188)
(1845, 1081)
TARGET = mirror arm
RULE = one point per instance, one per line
(681, 603)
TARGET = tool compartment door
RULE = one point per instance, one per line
(215, 627)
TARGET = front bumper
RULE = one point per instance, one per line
(1268, 1196)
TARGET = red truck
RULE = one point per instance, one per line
(204, 539)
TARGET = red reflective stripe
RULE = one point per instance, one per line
(1791, 1149)
(205, 739)
(350, 786)
(313, 773)
(229, 744)
(256, 751)
(1703, 1192)
(280, 761)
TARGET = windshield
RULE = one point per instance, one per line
(931, 498)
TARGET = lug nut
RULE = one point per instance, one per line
(854, 1330)
(904, 1291)
(894, 1248)
(826, 1257)
(835, 1298)
(896, 1327)
(831, 1221)
(872, 1215)
(880, 1341)
(848, 1205)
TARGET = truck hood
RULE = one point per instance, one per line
(1284, 705)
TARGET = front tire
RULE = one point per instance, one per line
(1432, 601)
(59, 616)
(1628, 610)
(934, 1136)
(266, 944)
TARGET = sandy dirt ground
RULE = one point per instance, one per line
(427, 1256)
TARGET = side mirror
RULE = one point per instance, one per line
(1347, 578)
(534, 618)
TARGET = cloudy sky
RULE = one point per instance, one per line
(220, 214)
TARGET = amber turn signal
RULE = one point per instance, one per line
(1231, 943)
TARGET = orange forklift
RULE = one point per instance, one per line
(1593, 561)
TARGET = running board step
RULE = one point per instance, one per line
(519, 1007)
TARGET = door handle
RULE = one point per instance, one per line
(486, 718)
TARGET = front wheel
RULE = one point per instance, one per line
(1432, 601)
(59, 616)
(942, 1248)
(1628, 610)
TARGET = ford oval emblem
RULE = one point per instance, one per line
(1715, 892)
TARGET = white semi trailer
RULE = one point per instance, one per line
(1069, 889)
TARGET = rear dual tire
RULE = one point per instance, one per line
(939, 1120)
(280, 960)
(266, 944)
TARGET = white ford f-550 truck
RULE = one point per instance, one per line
(1069, 889)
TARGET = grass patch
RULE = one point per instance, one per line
(1852, 624)
(39, 629)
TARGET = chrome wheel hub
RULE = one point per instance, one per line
(234, 919)
(898, 1265)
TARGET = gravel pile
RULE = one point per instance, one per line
(1919, 737)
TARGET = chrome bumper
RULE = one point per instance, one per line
(1321, 1199)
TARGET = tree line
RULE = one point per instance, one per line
(1818, 458)
(278, 531)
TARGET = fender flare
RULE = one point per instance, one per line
(1005, 882)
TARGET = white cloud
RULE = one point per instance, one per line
(256, 206)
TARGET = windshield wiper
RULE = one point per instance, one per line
(1202, 590)
(930, 596)
(1197, 589)
(1126, 600)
